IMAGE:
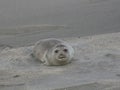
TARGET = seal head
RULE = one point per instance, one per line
(59, 54)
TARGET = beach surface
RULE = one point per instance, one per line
(96, 66)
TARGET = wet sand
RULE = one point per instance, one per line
(32, 20)
(83, 17)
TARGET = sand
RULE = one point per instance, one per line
(96, 66)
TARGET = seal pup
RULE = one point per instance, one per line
(53, 51)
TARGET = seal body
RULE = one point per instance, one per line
(53, 52)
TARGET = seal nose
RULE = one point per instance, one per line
(61, 56)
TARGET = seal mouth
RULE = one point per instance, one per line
(62, 58)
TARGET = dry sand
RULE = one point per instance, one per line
(96, 66)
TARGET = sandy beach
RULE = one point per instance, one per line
(92, 27)
(96, 66)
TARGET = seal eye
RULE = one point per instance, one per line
(56, 51)
(65, 50)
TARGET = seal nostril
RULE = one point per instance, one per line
(61, 56)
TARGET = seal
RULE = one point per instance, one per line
(53, 51)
